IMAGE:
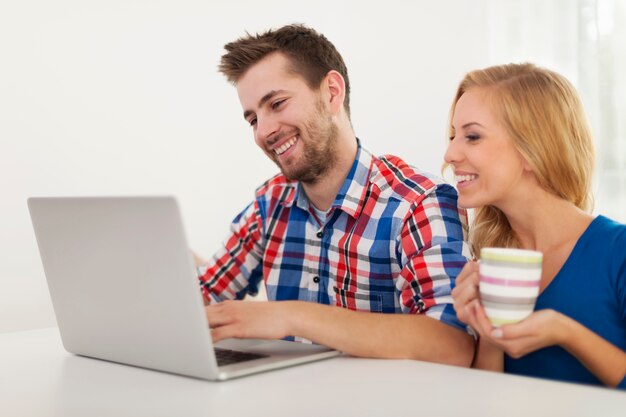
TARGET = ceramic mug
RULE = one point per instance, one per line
(509, 283)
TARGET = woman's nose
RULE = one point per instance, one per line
(453, 153)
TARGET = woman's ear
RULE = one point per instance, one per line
(527, 166)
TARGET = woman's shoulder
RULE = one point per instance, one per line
(609, 229)
(610, 240)
(602, 244)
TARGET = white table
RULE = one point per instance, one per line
(38, 378)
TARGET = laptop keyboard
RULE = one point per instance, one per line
(228, 357)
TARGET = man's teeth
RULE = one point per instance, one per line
(463, 178)
(281, 149)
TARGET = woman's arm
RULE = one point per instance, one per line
(603, 359)
(488, 355)
(547, 328)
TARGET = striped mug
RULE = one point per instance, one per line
(509, 283)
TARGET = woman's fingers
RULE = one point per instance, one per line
(466, 292)
(469, 268)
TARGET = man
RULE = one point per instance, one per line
(340, 237)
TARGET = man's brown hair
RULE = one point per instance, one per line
(311, 55)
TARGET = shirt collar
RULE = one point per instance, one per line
(351, 196)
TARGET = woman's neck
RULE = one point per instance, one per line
(546, 221)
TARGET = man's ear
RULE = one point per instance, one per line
(335, 90)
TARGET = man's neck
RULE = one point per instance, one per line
(323, 192)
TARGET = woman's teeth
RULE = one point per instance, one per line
(463, 178)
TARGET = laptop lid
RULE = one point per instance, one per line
(124, 287)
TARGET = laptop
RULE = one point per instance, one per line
(124, 289)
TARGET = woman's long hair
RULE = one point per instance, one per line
(544, 116)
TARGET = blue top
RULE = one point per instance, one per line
(591, 289)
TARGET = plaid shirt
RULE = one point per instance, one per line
(393, 241)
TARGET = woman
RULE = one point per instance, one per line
(522, 155)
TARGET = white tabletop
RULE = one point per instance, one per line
(38, 378)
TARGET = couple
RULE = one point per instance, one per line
(361, 253)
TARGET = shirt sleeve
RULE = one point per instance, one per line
(433, 252)
(236, 269)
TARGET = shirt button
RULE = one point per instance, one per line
(316, 279)
(320, 234)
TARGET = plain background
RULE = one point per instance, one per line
(122, 97)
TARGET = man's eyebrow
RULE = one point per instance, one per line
(267, 97)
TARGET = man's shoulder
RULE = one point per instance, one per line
(401, 180)
(277, 187)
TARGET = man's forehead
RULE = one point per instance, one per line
(266, 77)
(274, 65)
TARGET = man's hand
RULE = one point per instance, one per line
(364, 334)
(246, 320)
(197, 259)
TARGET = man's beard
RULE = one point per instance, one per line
(320, 149)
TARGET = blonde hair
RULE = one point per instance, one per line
(544, 116)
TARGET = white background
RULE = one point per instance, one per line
(122, 97)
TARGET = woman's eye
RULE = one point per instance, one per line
(472, 137)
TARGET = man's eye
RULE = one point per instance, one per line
(277, 104)
(252, 121)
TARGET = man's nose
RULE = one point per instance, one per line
(266, 127)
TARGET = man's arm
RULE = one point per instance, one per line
(235, 269)
(372, 335)
(431, 246)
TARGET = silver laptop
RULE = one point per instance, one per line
(124, 288)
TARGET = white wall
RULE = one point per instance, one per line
(122, 97)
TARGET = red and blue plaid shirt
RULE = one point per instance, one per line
(393, 241)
